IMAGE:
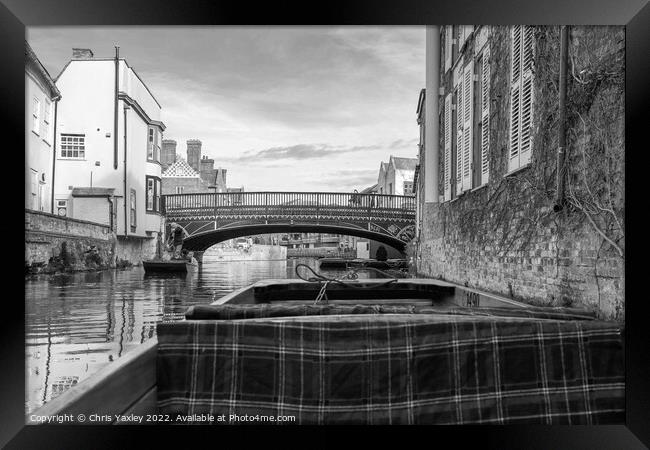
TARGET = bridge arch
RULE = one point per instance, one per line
(202, 241)
(210, 218)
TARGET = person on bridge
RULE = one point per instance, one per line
(176, 237)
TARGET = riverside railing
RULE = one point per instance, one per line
(319, 205)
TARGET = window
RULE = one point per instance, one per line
(41, 196)
(150, 193)
(34, 189)
(47, 114)
(153, 144)
(157, 196)
(73, 146)
(408, 187)
(390, 188)
(62, 207)
(153, 194)
(36, 114)
(179, 189)
(133, 205)
(521, 96)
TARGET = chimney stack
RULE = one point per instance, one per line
(82, 53)
(194, 154)
(168, 153)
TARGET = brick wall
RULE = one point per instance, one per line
(506, 238)
(190, 185)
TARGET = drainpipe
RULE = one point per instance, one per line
(432, 124)
(561, 151)
(117, 82)
(56, 103)
(127, 195)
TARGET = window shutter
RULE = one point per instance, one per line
(447, 133)
(468, 116)
(485, 118)
(459, 136)
(448, 46)
(516, 53)
(526, 95)
(526, 119)
(515, 99)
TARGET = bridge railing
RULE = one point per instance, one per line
(275, 204)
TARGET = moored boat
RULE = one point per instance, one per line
(166, 266)
(366, 351)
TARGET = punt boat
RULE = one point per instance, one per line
(171, 265)
(365, 351)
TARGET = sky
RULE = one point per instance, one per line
(282, 108)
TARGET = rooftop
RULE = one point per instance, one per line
(404, 163)
(30, 57)
(180, 169)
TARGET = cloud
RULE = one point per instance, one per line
(403, 143)
(302, 152)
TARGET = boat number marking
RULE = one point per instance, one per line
(472, 299)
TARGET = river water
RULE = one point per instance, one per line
(76, 324)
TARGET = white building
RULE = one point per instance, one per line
(41, 99)
(396, 176)
(109, 135)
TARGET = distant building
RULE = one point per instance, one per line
(108, 136)
(396, 176)
(196, 174)
(370, 189)
(180, 178)
(180, 175)
(42, 97)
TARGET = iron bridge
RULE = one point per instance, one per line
(211, 218)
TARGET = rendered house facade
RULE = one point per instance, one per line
(109, 134)
(41, 99)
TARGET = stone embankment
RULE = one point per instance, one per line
(61, 244)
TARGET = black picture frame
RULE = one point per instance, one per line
(15, 15)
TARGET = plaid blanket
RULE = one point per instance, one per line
(417, 368)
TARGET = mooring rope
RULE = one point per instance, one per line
(325, 281)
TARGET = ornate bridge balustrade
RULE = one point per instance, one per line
(212, 217)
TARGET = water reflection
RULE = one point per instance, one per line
(79, 323)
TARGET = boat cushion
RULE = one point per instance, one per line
(434, 368)
(250, 311)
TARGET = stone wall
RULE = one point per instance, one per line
(506, 237)
(66, 243)
(54, 243)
